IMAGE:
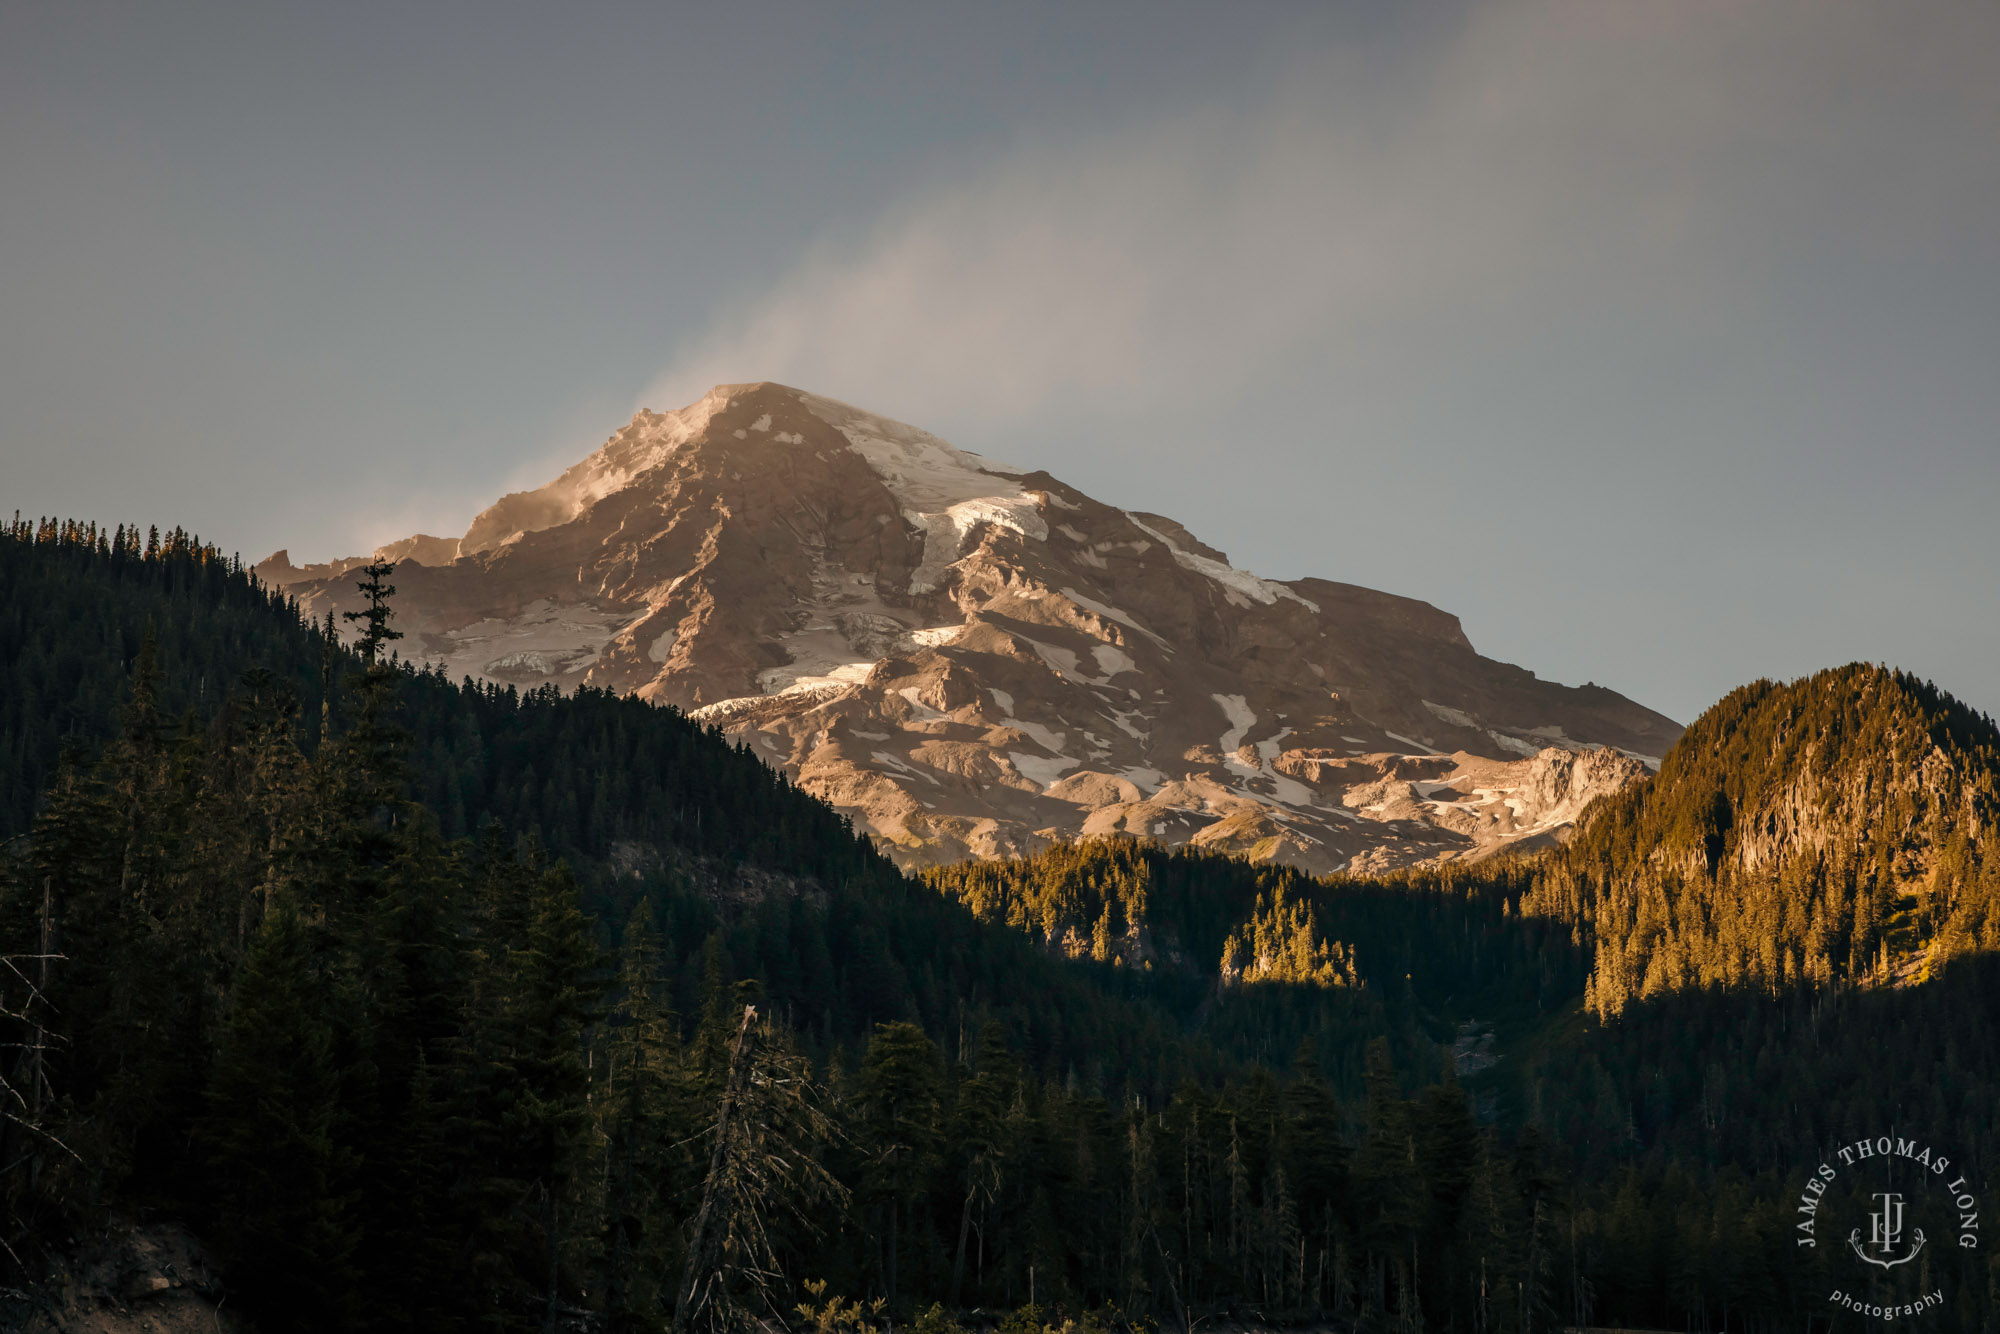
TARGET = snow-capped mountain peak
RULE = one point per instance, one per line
(974, 659)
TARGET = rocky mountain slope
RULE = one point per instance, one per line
(975, 660)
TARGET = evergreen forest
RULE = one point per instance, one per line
(440, 1006)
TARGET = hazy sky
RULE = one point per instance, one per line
(1658, 339)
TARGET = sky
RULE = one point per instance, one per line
(1658, 340)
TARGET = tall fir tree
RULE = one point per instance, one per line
(283, 1183)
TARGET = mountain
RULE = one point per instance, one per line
(973, 660)
(1840, 828)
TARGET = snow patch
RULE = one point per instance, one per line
(888, 761)
(1113, 661)
(725, 709)
(542, 664)
(841, 677)
(663, 646)
(1044, 736)
(545, 638)
(945, 491)
(1147, 780)
(931, 636)
(1288, 791)
(820, 656)
(1060, 661)
(1237, 585)
(1113, 614)
(1122, 720)
(763, 423)
(1513, 745)
(925, 713)
(1456, 717)
(945, 532)
(1553, 735)
(1042, 772)
(1237, 712)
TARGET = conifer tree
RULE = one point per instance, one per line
(525, 1079)
(417, 986)
(283, 1183)
(367, 771)
(641, 1111)
(899, 1095)
(979, 1139)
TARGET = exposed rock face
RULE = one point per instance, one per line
(973, 660)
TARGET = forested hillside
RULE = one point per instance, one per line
(1838, 828)
(440, 1007)
(403, 1081)
(1268, 957)
(588, 774)
(644, 805)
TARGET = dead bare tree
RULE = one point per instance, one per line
(26, 1098)
(762, 1162)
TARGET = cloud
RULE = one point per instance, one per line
(1547, 153)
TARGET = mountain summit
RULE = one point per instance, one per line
(975, 660)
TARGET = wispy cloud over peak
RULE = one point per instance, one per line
(1549, 146)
